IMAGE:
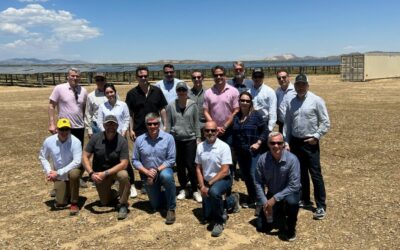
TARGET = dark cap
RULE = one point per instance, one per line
(301, 78)
(258, 72)
(100, 75)
(110, 118)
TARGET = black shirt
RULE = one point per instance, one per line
(107, 154)
(139, 105)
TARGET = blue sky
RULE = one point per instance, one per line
(220, 30)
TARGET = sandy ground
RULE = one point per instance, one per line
(359, 155)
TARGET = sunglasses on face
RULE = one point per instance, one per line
(219, 75)
(143, 77)
(168, 72)
(63, 129)
(210, 130)
(281, 77)
(153, 124)
(196, 77)
(279, 143)
(100, 79)
(245, 101)
(181, 90)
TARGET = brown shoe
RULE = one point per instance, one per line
(74, 209)
(170, 219)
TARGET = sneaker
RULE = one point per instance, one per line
(133, 191)
(217, 230)
(53, 193)
(319, 214)
(305, 204)
(59, 206)
(122, 212)
(82, 183)
(244, 205)
(181, 195)
(170, 219)
(197, 197)
(236, 206)
(291, 236)
(74, 209)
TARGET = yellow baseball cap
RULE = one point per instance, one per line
(63, 123)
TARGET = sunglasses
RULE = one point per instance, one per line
(168, 72)
(219, 75)
(100, 80)
(281, 77)
(196, 77)
(143, 77)
(64, 129)
(181, 90)
(210, 130)
(153, 124)
(280, 143)
(245, 101)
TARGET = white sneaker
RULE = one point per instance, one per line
(197, 197)
(133, 192)
(181, 195)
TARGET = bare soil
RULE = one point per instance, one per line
(359, 156)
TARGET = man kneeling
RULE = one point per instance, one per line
(110, 159)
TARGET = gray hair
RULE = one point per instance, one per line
(152, 115)
(74, 70)
(274, 134)
(240, 63)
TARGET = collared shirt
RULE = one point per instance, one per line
(94, 100)
(283, 97)
(152, 153)
(64, 155)
(280, 177)
(168, 89)
(119, 110)
(211, 157)
(221, 104)
(241, 87)
(306, 118)
(140, 105)
(198, 98)
(264, 98)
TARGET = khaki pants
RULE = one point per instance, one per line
(104, 188)
(66, 190)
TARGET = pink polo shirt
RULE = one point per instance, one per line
(68, 106)
(221, 104)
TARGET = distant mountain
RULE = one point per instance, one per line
(293, 57)
(30, 61)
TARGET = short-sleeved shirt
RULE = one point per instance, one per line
(107, 154)
(139, 105)
(68, 106)
(212, 156)
(221, 104)
(168, 89)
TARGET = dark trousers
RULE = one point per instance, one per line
(280, 126)
(185, 155)
(227, 138)
(247, 163)
(309, 158)
(213, 205)
(79, 133)
(284, 214)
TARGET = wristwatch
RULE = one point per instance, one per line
(106, 172)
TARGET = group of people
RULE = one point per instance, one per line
(205, 133)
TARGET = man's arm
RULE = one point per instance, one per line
(222, 173)
(52, 116)
(163, 114)
(228, 122)
(259, 183)
(76, 158)
(272, 110)
(89, 117)
(207, 114)
(293, 184)
(43, 157)
(169, 162)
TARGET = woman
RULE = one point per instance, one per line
(183, 124)
(250, 131)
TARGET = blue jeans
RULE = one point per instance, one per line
(166, 197)
(213, 205)
(247, 163)
(95, 128)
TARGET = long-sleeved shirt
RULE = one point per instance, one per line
(198, 98)
(168, 89)
(306, 117)
(280, 177)
(284, 96)
(264, 98)
(152, 153)
(64, 155)
(94, 100)
(184, 126)
(120, 110)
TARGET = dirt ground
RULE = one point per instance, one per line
(359, 155)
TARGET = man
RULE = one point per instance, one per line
(110, 159)
(284, 93)
(239, 81)
(65, 150)
(306, 121)
(69, 99)
(154, 157)
(197, 94)
(264, 97)
(279, 171)
(168, 84)
(213, 158)
(94, 100)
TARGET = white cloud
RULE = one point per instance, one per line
(37, 27)
(32, 1)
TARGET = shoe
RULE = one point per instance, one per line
(291, 236)
(181, 195)
(236, 207)
(197, 197)
(319, 214)
(217, 230)
(59, 206)
(244, 205)
(305, 204)
(82, 183)
(74, 209)
(133, 191)
(170, 219)
(143, 190)
(122, 212)
(53, 193)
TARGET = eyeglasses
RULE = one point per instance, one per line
(196, 77)
(281, 77)
(181, 90)
(153, 124)
(63, 129)
(219, 75)
(279, 143)
(100, 80)
(168, 72)
(210, 130)
(143, 77)
(245, 101)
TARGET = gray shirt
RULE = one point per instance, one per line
(306, 118)
(280, 177)
(198, 98)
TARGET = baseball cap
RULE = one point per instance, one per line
(110, 118)
(258, 72)
(301, 78)
(100, 75)
(181, 85)
(63, 123)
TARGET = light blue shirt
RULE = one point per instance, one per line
(152, 153)
(168, 89)
(306, 118)
(64, 155)
(119, 110)
(283, 97)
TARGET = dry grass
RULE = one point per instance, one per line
(360, 158)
